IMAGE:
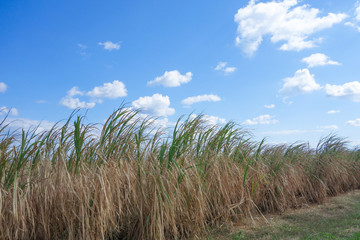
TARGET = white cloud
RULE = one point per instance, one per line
(355, 123)
(171, 79)
(261, 120)
(290, 132)
(299, 131)
(329, 127)
(3, 87)
(200, 98)
(222, 67)
(157, 105)
(73, 103)
(301, 82)
(158, 123)
(115, 89)
(270, 106)
(74, 91)
(108, 45)
(333, 111)
(350, 90)
(11, 111)
(107, 90)
(318, 59)
(229, 69)
(211, 120)
(26, 124)
(162, 124)
(285, 21)
(356, 19)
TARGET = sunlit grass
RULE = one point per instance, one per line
(130, 179)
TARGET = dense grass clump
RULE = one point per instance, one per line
(129, 180)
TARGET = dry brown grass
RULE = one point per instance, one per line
(133, 182)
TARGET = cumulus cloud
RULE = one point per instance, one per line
(355, 123)
(270, 106)
(108, 45)
(73, 103)
(12, 111)
(211, 120)
(318, 59)
(301, 82)
(171, 79)
(200, 98)
(261, 120)
(333, 111)
(284, 21)
(350, 90)
(3, 87)
(112, 90)
(156, 105)
(222, 66)
(74, 91)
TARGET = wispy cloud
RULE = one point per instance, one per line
(171, 79)
(108, 45)
(355, 21)
(261, 120)
(328, 127)
(355, 123)
(270, 106)
(222, 66)
(284, 21)
(290, 132)
(200, 98)
(333, 111)
(318, 59)
(82, 48)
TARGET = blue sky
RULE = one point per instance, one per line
(288, 70)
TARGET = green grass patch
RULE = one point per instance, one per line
(337, 219)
